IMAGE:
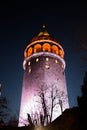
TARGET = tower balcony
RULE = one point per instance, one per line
(44, 45)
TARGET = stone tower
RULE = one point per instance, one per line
(44, 91)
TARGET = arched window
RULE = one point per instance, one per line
(61, 53)
(55, 49)
(37, 48)
(46, 47)
(30, 50)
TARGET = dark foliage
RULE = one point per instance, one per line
(3, 109)
(82, 103)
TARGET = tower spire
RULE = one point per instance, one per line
(43, 31)
(43, 26)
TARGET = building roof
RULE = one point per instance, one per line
(43, 34)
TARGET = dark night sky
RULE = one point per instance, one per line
(20, 22)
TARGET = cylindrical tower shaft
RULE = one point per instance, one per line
(44, 91)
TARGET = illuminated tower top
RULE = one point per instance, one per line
(43, 42)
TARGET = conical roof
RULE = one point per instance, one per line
(43, 31)
(43, 34)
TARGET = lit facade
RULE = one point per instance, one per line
(44, 89)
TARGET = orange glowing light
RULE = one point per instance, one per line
(46, 47)
(61, 53)
(37, 48)
(30, 50)
(55, 49)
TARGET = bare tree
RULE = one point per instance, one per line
(55, 96)
(30, 120)
(43, 101)
(49, 99)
